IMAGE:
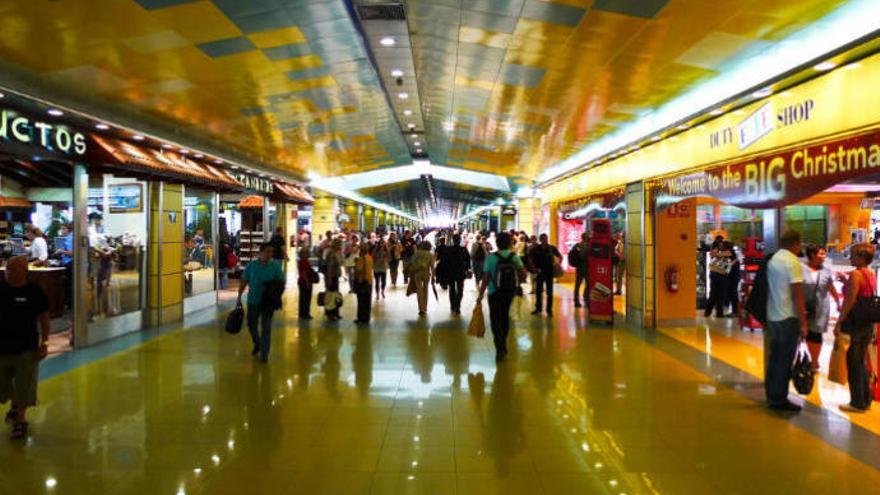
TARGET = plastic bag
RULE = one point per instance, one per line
(477, 327)
(235, 320)
(802, 371)
(837, 366)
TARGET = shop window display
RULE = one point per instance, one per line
(809, 220)
(199, 260)
(117, 232)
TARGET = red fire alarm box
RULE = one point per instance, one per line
(601, 272)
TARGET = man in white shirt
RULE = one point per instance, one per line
(786, 320)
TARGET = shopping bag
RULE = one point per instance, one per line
(837, 365)
(802, 371)
(235, 320)
(411, 287)
(477, 327)
(558, 271)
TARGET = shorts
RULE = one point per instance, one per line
(18, 378)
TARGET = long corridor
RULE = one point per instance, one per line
(414, 405)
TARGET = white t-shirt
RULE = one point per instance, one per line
(783, 270)
(39, 249)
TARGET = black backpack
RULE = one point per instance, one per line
(506, 278)
(574, 256)
(756, 304)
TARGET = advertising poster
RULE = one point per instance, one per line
(569, 234)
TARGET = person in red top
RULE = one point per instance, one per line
(861, 284)
(305, 281)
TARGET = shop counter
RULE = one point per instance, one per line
(51, 280)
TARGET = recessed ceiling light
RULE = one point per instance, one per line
(55, 112)
(199, 155)
(137, 137)
(418, 150)
(823, 66)
(166, 146)
(403, 95)
(763, 93)
(656, 138)
(183, 152)
(102, 127)
(854, 65)
(717, 111)
(396, 73)
(683, 126)
(218, 161)
(417, 143)
(414, 135)
(2, 95)
(387, 41)
(411, 125)
(407, 112)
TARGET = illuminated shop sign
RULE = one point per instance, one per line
(762, 122)
(255, 183)
(780, 178)
(17, 127)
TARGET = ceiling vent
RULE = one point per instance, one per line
(382, 12)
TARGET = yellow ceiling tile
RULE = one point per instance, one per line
(298, 63)
(199, 22)
(467, 82)
(277, 37)
(483, 37)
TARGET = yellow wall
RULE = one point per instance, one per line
(369, 219)
(324, 213)
(351, 209)
(528, 209)
(165, 258)
(677, 247)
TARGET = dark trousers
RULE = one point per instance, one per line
(732, 284)
(260, 326)
(331, 284)
(364, 301)
(545, 282)
(381, 279)
(582, 276)
(305, 300)
(782, 340)
(499, 319)
(456, 289)
(856, 356)
(717, 294)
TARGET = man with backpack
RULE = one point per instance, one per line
(501, 275)
(479, 251)
(578, 259)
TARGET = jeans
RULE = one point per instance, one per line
(856, 356)
(581, 276)
(717, 294)
(262, 338)
(782, 337)
(363, 290)
(224, 278)
(305, 300)
(544, 281)
(381, 279)
(499, 319)
(456, 288)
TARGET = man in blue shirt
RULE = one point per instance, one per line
(502, 272)
(64, 247)
(259, 272)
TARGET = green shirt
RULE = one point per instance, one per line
(492, 262)
(256, 274)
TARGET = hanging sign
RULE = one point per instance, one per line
(256, 184)
(780, 178)
(17, 127)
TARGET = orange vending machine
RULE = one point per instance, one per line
(601, 292)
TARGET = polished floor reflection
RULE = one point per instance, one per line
(416, 406)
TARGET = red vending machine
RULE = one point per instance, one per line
(601, 293)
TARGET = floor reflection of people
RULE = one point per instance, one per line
(263, 415)
(420, 353)
(330, 341)
(502, 428)
(306, 357)
(100, 263)
(452, 343)
(362, 361)
(542, 358)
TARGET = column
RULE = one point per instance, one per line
(381, 220)
(165, 255)
(352, 211)
(80, 283)
(639, 256)
(772, 226)
(369, 215)
(324, 213)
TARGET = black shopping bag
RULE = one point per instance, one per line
(235, 320)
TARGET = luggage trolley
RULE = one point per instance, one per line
(753, 256)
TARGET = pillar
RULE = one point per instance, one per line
(381, 220)
(678, 226)
(639, 256)
(353, 213)
(528, 211)
(324, 212)
(370, 219)
(165, 255)
(80, 256)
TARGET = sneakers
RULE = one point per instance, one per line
(786, 406)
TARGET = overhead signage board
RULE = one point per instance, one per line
(17, 127)
(256, 184)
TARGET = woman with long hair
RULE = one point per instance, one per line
(861, 285)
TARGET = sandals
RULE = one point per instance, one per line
(19, 431)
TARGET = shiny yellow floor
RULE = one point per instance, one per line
(415, 406)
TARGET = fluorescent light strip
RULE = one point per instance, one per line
(332, 187)
(848, 23)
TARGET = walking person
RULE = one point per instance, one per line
(501, 275)
(263, 275)
(733, 278)
(408, 249)
(394, 252)
(421, 271)
(24, 308)
(719, 268)
(533, 277)
(381, 261)
(455, 262)
(578, 258)
(227, 261)
(861, 285)
(786, 320)
(363, 284)
(618, 258)
(279, 247)
(333, 272)
(479, 252)
(544, 256)
(306, 279)
(818, 284)
(351, 250)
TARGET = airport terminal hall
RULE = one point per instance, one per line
(439, 247)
